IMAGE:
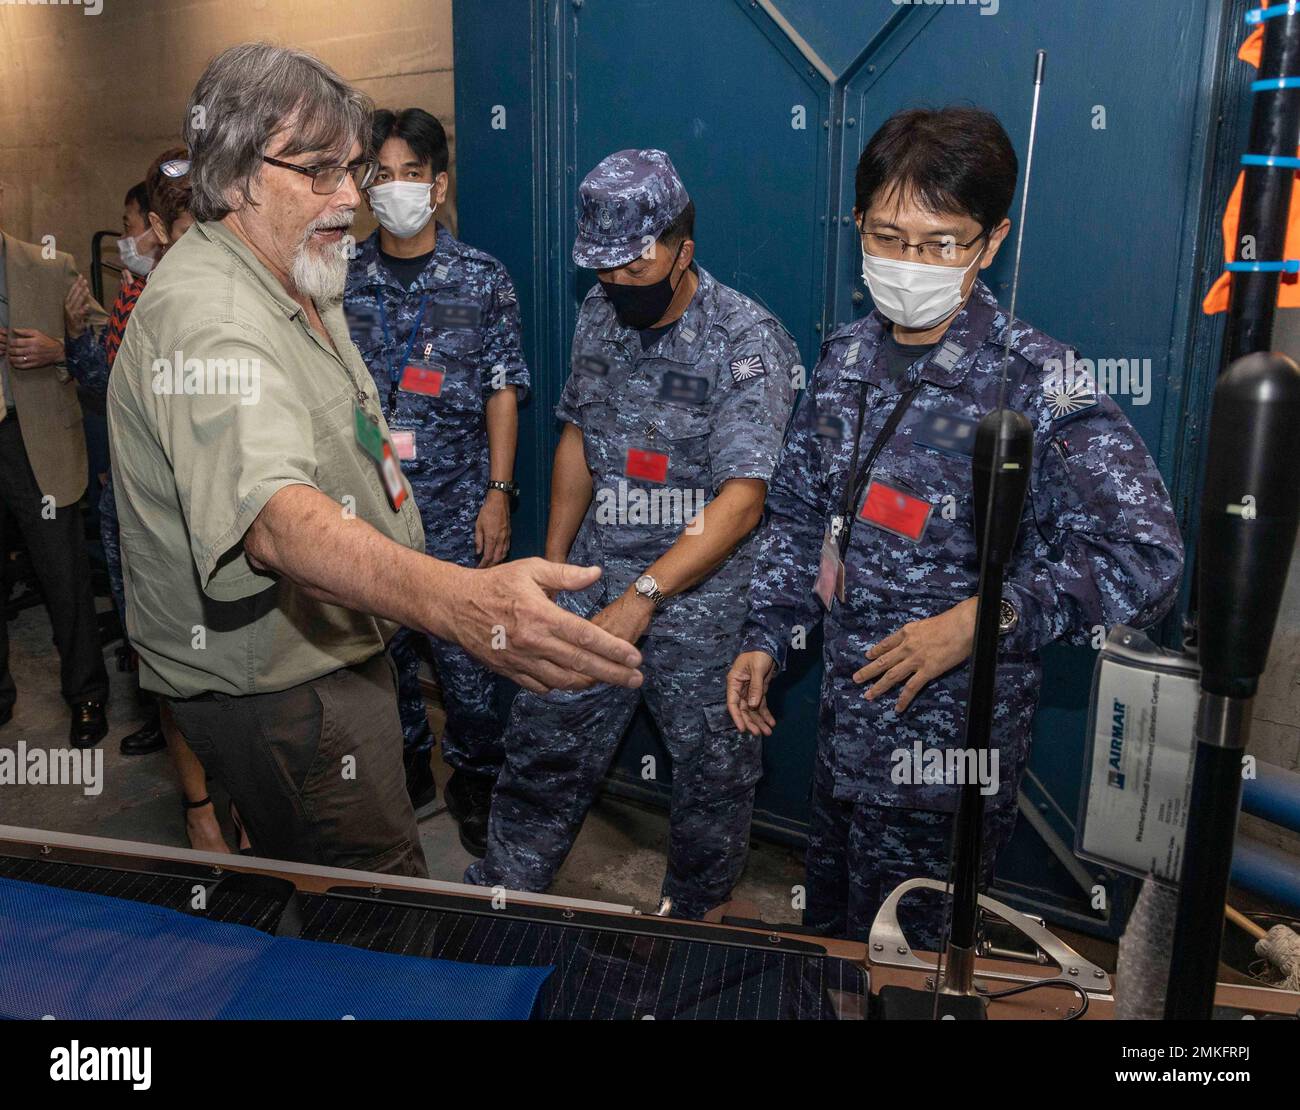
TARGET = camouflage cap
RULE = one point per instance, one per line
(630, 196)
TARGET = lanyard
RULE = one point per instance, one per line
(857, 480)
(395, 371)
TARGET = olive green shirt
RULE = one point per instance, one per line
(222, 394)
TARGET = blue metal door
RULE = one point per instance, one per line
(764, 106)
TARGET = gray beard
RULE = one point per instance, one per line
(320, 275)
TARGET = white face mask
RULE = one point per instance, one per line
(403, 208)
(129, 252)
(914, 294)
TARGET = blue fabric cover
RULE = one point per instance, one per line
(73, 955)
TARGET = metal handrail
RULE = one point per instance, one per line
(98, 265)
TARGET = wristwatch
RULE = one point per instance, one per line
(1008, 618)
(510, 489)
(646, 586)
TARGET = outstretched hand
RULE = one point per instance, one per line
(507, 620)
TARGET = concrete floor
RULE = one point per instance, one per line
(619, 856)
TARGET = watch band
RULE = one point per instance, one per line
(509, 488)
(650, 590)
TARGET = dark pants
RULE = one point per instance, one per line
(471, 739)
(110, 538)
(57, 547)
(559, 748)
(316, 770)
(858, 854)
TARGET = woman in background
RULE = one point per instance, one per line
(90, 359)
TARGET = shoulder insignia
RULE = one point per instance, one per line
(947, 356)
(744, 369)
(1067, 396)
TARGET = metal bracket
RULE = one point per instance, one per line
(888, 947)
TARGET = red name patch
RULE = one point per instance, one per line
(421, 379)
(650, 466)
(895, 511)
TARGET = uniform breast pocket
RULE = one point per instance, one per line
(682, 434)
(439, 390)
(335, 443)
(942, 481)
(451, 343)
(910, 516)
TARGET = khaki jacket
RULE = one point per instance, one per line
(47, 397)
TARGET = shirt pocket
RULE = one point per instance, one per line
(333, 437)
(458, 401)
(888, 536)
(463, 344)
(682, 433)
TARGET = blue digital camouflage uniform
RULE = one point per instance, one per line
(707, 403)
(1098, 545)
(88, 363)
(461, 321)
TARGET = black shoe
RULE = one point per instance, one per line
(469, 799)
(148, 738)
(420, 784)
(89, 724)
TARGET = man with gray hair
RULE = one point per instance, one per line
(270, 544)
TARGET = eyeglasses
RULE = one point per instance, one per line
(937, 251)
(327, 179)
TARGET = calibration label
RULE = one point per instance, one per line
(1141, 773)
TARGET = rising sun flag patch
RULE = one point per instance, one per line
(1067, 398)
(745, 369)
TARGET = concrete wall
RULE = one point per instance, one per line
(88, 101)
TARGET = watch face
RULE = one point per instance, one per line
(645, 584)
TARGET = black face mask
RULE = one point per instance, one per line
(639, 306)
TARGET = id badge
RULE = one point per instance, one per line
(404, 445)
(422, 377)
(830, 574)
(645, 464)
(894, 509)
(370, 438)
(390, 473)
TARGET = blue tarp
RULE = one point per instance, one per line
(85, 956)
